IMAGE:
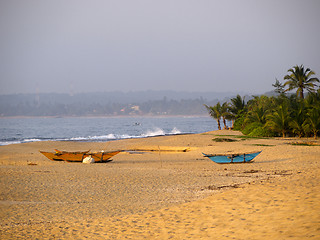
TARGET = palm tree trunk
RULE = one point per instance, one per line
(301, 94)
(224, 123)
(219, 126)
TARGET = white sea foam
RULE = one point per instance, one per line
(175, 131)
(94, 138)
(155, 132)
(149, 133)
(3, 143)
(32, 140)
(103, 137)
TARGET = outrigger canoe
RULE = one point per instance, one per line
(232, 158)
(79, 156)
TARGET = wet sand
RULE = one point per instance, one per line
(166, 194)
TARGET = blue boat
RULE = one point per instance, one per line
(232, 158)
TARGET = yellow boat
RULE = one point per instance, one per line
(79, 156)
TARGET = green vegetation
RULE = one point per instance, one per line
(245, 137)
(311, 144)
(263, 145)
(215, 112)
(282, 115)
(223, 140)
(300, 79)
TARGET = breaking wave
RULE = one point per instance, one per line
(24, 130)
(101, 138)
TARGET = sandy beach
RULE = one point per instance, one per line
(155, 190)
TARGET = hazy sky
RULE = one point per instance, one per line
(182, 45)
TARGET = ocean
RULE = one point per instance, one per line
(97, 129)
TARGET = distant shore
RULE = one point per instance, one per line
(109, 116)
(162, 195)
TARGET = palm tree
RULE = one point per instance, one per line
(314, 120)
(278, 121)
(313, 98)
(257, 114)
(225, 113)
(215, 112)
(301, 79)
(279, 87)
(258, 109)
(299, 123)
(236, 107)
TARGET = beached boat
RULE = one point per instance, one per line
(79, 156)
(59, 151)
(232, 158)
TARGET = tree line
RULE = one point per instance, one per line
(284, 114)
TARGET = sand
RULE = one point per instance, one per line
(166, 194)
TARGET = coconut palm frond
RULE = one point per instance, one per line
(301, 80)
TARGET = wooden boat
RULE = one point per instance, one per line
(59, 151)
(79, 156)
(232, 158)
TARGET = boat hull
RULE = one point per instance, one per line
(233, 158)
(79, 156)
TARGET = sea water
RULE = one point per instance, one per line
(21, 130)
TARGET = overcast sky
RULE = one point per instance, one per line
(182, 45)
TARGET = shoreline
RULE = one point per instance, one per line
(95, 141)
(95, 129)
(162, 194)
